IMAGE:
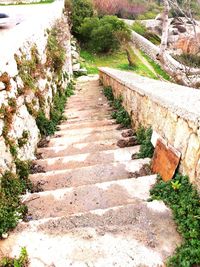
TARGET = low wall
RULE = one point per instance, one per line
(29, 80)
(170, 63)
(173, 111)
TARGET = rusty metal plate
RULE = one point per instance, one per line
(165, 160)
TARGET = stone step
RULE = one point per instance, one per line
(123, 236)
(91, 107)
(74, 149)
(88, 175)
(63, 202)
(85, 124)
(89, 130)
(88, 159)
(85, 138)
(93, 118)
(86, 114)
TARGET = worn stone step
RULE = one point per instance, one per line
(88, 175)
(86, 114)
(95, 117)
(85, 124)
(88, 159)
(124, 236)
(91, 107)
(85, 138)
(89, 130)
(74, 149)
(66, 201)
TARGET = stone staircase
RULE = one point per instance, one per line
(93, 210)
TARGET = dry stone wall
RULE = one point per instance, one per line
(29, 81)
(173, 111)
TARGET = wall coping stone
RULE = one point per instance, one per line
(181, 100)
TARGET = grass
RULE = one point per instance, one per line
(117, 60)
(156, 67)
(34, 3)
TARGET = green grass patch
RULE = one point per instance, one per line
(33, 3)
(156, 67)
(117, 60)
(182, 197)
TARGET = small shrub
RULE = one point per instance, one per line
(49, 126)
(184, 201)
(81, 9)
(188, 60)
(55, 51)
(139, 27)
(103, 35)
(108, 93)
(24, 139)
(144, 139)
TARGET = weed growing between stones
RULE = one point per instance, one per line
(144, 139)
(120, 114)
(184, 201)
(11, 208)
(49, 126)
(24, 139)
(21, 261)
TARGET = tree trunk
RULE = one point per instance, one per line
(165, 29)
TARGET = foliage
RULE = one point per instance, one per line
(102, 35)
(81, 9)
(21, 261)
(55, 51)
(11, 209)
(49, 126)
(141, 29)
(144, 139)
(188, 60)
(108, 93)
(185, 204)
(120, 114)
(24, 139)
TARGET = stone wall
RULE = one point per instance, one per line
(173, 111)
(191, 74)
(29, 79)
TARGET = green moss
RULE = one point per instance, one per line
(184, 201)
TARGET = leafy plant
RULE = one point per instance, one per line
(80, 9)
(120, 114)
(185, 204)
(176, 185)
(144, 139)
(49, 126)
(21, 261)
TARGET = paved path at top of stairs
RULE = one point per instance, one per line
(93, 210)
